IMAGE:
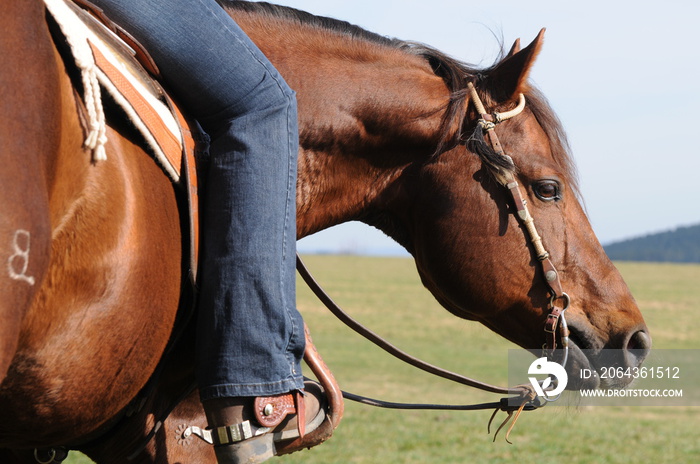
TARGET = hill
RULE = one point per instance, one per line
(681, 245)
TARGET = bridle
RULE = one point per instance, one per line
(559, 301)
(505, 177)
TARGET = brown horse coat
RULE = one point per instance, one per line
(93, 250)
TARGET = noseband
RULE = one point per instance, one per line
(559, 300)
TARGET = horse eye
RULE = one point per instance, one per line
(547, 190)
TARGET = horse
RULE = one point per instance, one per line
(93, 251)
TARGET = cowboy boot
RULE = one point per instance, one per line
(249, 430)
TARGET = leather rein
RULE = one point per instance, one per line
(525, 397)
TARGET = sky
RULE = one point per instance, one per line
(624, 78)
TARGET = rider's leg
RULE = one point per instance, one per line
(250, 334)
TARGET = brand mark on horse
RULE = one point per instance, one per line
(18, 262)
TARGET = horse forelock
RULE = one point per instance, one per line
(457, 75)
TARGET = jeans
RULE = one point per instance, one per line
(250, 336)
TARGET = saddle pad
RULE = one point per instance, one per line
(105, 61)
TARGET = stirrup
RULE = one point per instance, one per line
(251, 451)
(246, 443)
(254, 441)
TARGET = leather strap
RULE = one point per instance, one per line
(271, 410)
(555, 318)
(325, 377)
(391, 349)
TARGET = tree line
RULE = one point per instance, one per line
(681, 245)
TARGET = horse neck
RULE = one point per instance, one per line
(367, 111)
(352, 157)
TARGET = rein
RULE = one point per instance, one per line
(393, 350)
(526, 398)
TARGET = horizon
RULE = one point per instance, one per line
(387, 247)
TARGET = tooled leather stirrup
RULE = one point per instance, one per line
(334, 397)
(270, 412)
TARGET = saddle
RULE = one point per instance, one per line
(109, 58)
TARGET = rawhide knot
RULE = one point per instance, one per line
(486, 125)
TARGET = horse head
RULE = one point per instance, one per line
(385, 128)
(475, 256)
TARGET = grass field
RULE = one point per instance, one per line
(385, 293)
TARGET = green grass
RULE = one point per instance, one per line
(385, 293)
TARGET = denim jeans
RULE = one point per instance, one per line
(250, 336)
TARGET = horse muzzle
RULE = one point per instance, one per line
(591, 359)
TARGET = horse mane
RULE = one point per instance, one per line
(456, 74)
(302, 17)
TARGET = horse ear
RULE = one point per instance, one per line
(514, 49)
(508, 78)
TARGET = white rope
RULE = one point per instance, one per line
(535, 238)
(72, 28)
(500, 117)
(476, 100)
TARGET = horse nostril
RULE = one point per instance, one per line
(638, 347)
